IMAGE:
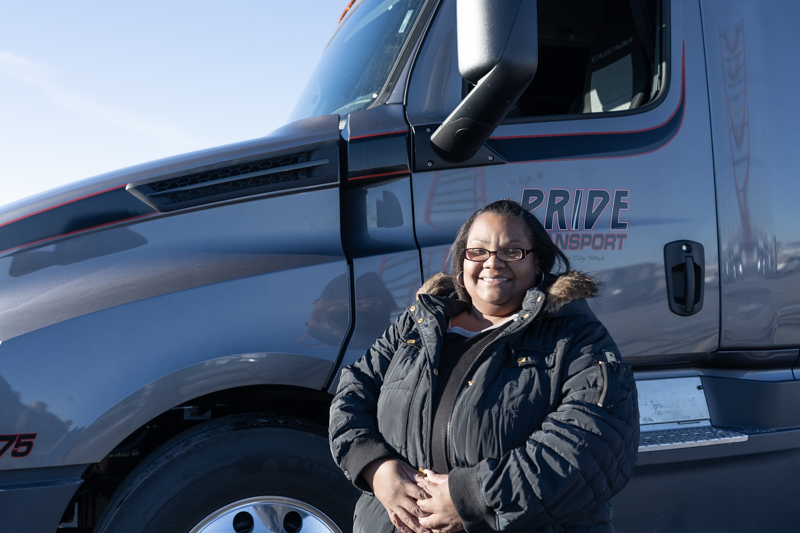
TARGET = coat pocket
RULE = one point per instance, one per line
(525, 381)
(403, 360)
(393, 412)
(617, 383)
(524, 358)
(397, 391)
(604, 382)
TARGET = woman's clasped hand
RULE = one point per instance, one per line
(416, 502)
(393, 483)
(442, 515)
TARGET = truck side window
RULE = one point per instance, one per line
(594, 56)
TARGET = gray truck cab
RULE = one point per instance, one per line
(171, 333)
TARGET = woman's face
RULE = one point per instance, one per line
(497, 288)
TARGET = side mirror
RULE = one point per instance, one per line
(497, 51)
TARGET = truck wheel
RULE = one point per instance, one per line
(238, 474)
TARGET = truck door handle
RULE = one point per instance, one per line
(689, 285)
(684, 263)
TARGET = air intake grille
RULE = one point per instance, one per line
(219, 181)
(234, 181)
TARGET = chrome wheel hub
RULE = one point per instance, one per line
(267, 514)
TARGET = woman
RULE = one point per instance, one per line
(513, 398)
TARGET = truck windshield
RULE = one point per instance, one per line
(359, 58)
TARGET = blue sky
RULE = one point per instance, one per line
(91, 86)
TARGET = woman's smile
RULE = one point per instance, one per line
(494, 280)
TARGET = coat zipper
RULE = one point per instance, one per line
(605, 384)
(461, 386)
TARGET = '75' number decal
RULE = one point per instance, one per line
(23, 444)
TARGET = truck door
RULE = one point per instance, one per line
(610, 148)
(377, 223)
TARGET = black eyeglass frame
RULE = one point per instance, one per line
(495, 252)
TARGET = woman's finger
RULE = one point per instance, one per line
(411, 506)
(426, 506)
(426, 486)
(417, 491)
(429, 507)
(431, 523)
(433, 477)
(412, 523)
(434, 525)
(409, 513)
(396, 522)
(429, 488)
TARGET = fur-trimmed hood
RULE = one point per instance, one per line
(568, 287)
(559, 289)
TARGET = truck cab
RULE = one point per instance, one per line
(171, 334)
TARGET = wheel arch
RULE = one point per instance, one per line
(289, 388)
(223, 377)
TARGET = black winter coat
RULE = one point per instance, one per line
(542, 435)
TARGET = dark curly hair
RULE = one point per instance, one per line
(544, 249)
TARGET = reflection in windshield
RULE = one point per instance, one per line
(358, 58)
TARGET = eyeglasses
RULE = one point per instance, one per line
(506, 254)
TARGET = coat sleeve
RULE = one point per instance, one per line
(583, 454)
(353, 429)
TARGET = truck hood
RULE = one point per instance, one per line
(112, 197)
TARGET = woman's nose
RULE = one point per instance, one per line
(493, 262)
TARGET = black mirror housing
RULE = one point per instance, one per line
(498, 51)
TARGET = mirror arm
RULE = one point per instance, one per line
(469, 126)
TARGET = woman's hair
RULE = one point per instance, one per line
(544, 249)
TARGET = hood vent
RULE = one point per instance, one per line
(234, 181)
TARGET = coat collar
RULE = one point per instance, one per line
(556, 296)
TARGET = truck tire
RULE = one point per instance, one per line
(239, 474)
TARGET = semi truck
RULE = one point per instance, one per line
(171, 334)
